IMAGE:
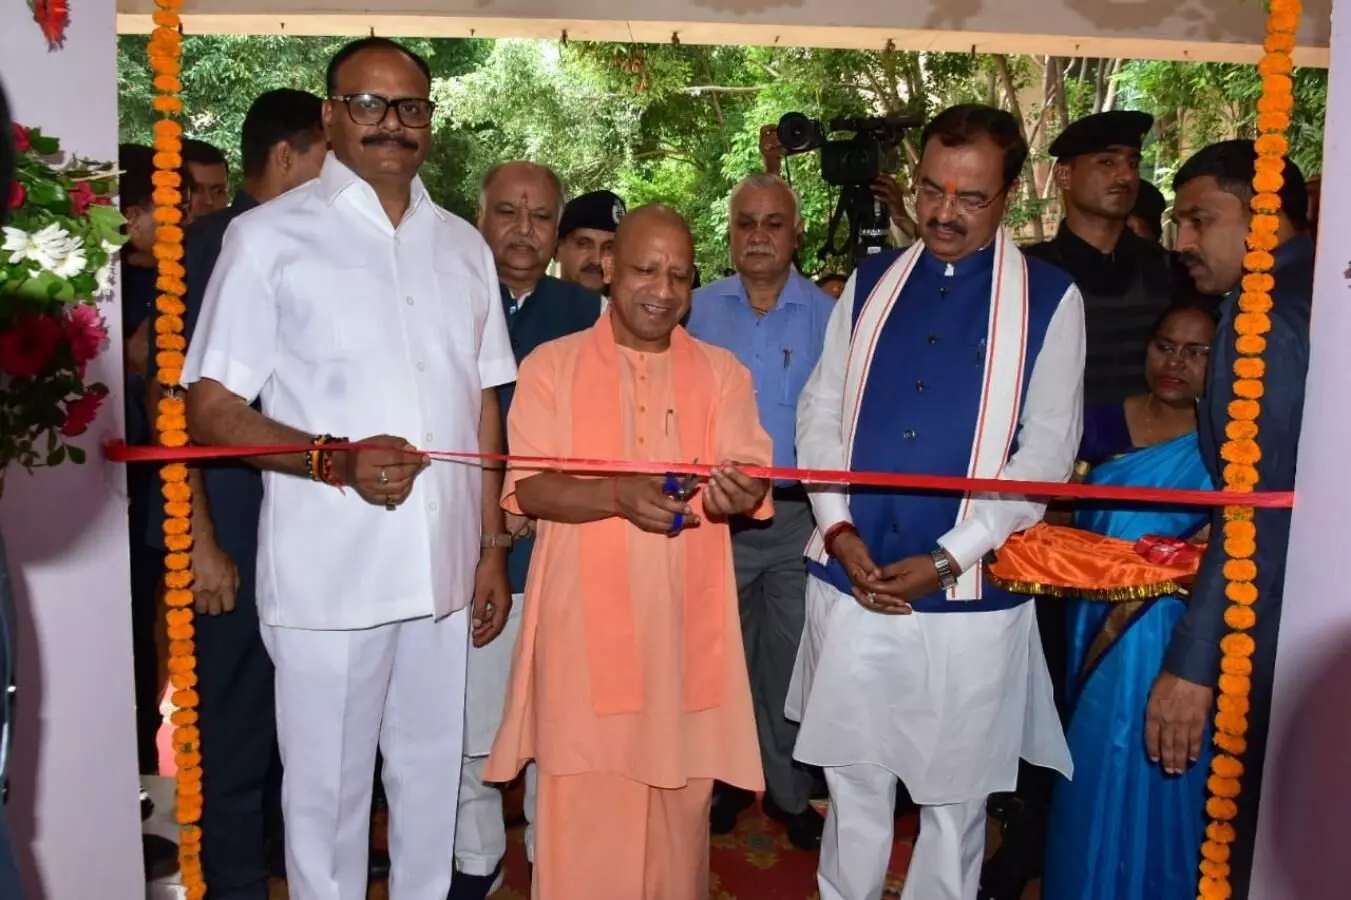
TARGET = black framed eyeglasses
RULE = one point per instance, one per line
(371, 109)
(968, 203)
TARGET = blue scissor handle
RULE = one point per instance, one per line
(680, 489)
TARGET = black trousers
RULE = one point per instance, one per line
(240, 762)
(147, 566)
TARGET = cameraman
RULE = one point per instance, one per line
(887, 188)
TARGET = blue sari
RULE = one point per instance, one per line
(1122, 829)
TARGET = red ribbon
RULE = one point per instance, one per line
(118, 451)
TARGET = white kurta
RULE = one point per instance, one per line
(948, 702)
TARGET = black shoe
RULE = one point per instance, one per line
(473, 887)
(804, 828)
(1002, 878)
(160, 856)
(728, 802)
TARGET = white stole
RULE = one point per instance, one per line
(1002, 393)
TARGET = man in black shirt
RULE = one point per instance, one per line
(1146, 218)
(1126, 281)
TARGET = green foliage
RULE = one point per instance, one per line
(680, 124)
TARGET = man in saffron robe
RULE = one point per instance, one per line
(629, 687)
(962, 357)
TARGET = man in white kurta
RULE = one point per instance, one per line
(956, 357)
(354, 306)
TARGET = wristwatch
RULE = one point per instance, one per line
(947, 580)
(495, 542)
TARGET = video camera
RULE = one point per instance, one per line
(852, 164)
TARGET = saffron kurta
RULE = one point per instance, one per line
(551, 713)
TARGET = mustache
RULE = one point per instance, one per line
(1190, 258)
(593, 268)
(396, 139)
(934, 224)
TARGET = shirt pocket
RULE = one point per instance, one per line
(795, 366)
(332, 309)
(459, 313)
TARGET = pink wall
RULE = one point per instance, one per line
(73, 803)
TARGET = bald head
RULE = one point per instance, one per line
(520, 204)
(651, 273)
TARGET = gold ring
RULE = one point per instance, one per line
(389, 503)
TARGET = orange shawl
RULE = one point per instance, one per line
(597, 433)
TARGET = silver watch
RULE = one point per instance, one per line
(947, 580)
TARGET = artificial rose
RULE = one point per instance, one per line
(85, 331)
(81, 412)
(20, 138)
(17, 195)
(27, 346)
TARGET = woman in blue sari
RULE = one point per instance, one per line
(1122, 829)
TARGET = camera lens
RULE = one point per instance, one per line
(796, 132)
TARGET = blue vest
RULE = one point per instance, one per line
(553, 310)
(919, 406)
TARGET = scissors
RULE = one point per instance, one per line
(680, 489)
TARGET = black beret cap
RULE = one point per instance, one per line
(600, 210)
(1101, 131)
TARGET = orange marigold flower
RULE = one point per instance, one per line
(1241, 430)
(166, 196)
(1245, 453)
(1216, 870)
(1258, 282)
(1273, 121)
(169, 233)
(166, 179)
(1231, 743)
(1237, 685)
(1215, 852)
(178, 617)
(1265, 182)
(1249, 388)
(177, 580)
(1240, 618)
(1252, 323)
(168, 104)
(1243, 410)
(177, 562)
(1258, 260)
(166, 128)
(1240, 477)
(1247, 368)
(1221, 808)
(1240, 570)
(1251, 344)
(1274, 144)
(1207, 889)
(1221, 833)
(1269, 165)
(1228, 703)
(1244, 593)
(1240, 530)
(170, 305)
(1265, 223)
(1282, 20)
(1240, 549)
(173, 438)
(1261, 240)
(1238, 514)
(185, 699)
(167, 84)
(178, 597)
(178, 510)
(174, 472)
(183, 716)
(1240, 645)
(178, 492)
(1275, 64)
(178, 542)
(171, 341)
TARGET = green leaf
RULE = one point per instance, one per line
(57, 456)
(50, 195)
(43, 145)
(76, 454)
(107, 222)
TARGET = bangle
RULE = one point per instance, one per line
(834, 532)
(314, 457)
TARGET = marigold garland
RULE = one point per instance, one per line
(165, 53)
(1241, 451)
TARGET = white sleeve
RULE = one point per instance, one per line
(496, 359)
(1048, 439)
(820, 414)
(235, 342)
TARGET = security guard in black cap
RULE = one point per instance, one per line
(1126, 281)
(585, 234)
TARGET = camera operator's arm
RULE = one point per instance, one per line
(771, 150)
(887, 189)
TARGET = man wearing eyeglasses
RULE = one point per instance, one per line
(959, 357)
(355, 306)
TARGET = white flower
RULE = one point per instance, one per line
(24, 246)
(103, 278)
(70, 265)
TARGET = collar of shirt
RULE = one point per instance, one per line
(336, 179)
(981, 260)
(1299, 249)
(243, 201)
(734, 287)
(1080, 255)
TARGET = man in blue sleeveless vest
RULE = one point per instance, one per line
(774, 321)
(520, 204)
(958, 356)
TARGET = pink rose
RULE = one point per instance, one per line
(82, 411)
(85, 332)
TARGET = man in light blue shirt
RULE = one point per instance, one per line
(774, 321)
